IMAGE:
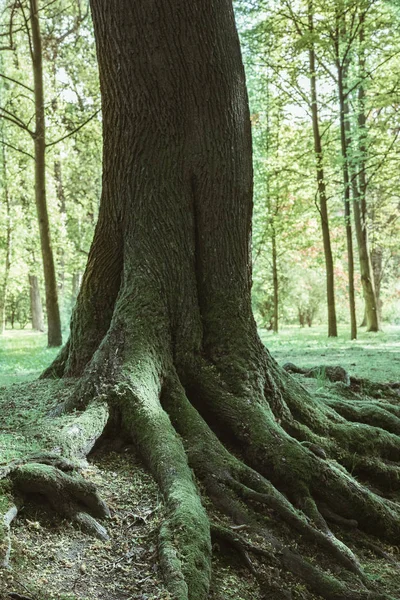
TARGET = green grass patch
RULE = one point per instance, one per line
(23, 355)
(374, 356)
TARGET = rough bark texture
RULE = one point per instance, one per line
(52, 308)
(36, 304)
(163, 336)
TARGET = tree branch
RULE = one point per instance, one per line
(17, 82)
(17, 149)
(64, 137)
(9, 116)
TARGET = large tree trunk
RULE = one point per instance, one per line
(163, 331)
(53, 313)
(323, 204)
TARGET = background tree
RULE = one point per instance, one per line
(69, 108)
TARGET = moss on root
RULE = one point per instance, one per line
(268, 457)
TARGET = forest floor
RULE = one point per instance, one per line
(52, 560)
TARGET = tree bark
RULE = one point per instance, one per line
(76, 284)
(323, 205)
(377, 269)
(63, 210)
(53, 313)
(36, 304)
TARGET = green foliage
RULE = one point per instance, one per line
(276, 39)
(72, 100)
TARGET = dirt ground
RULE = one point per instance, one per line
(53, 560)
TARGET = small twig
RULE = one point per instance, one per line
(67, 135)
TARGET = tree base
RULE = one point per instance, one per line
(310, 448)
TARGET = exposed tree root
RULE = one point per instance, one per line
(53, 474)
(5, 541)
(65, 493)
(271, 458)
(336, 373)
(324, 585)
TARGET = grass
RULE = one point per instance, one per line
(376, 356)
(23, 355)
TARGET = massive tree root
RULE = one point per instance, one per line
(273, 460)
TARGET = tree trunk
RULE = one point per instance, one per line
(323, 207)
(36, 304)
(163, 330)
(76, 284)
(377, 269)
(7, 262)
(344, 139)
(367, 278)
(53, 313)
(62, 208)
(275, 280)
(359, 187)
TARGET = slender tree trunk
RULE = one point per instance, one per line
(7, 262)
(362, 150)
(52, 308)
(367, 278)
(377, 268)
(275, 283)
(362, 129)
(359, 188)
(62, 208)
(36, 304)
(76, 284)
(330, 284)
(346, 183)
